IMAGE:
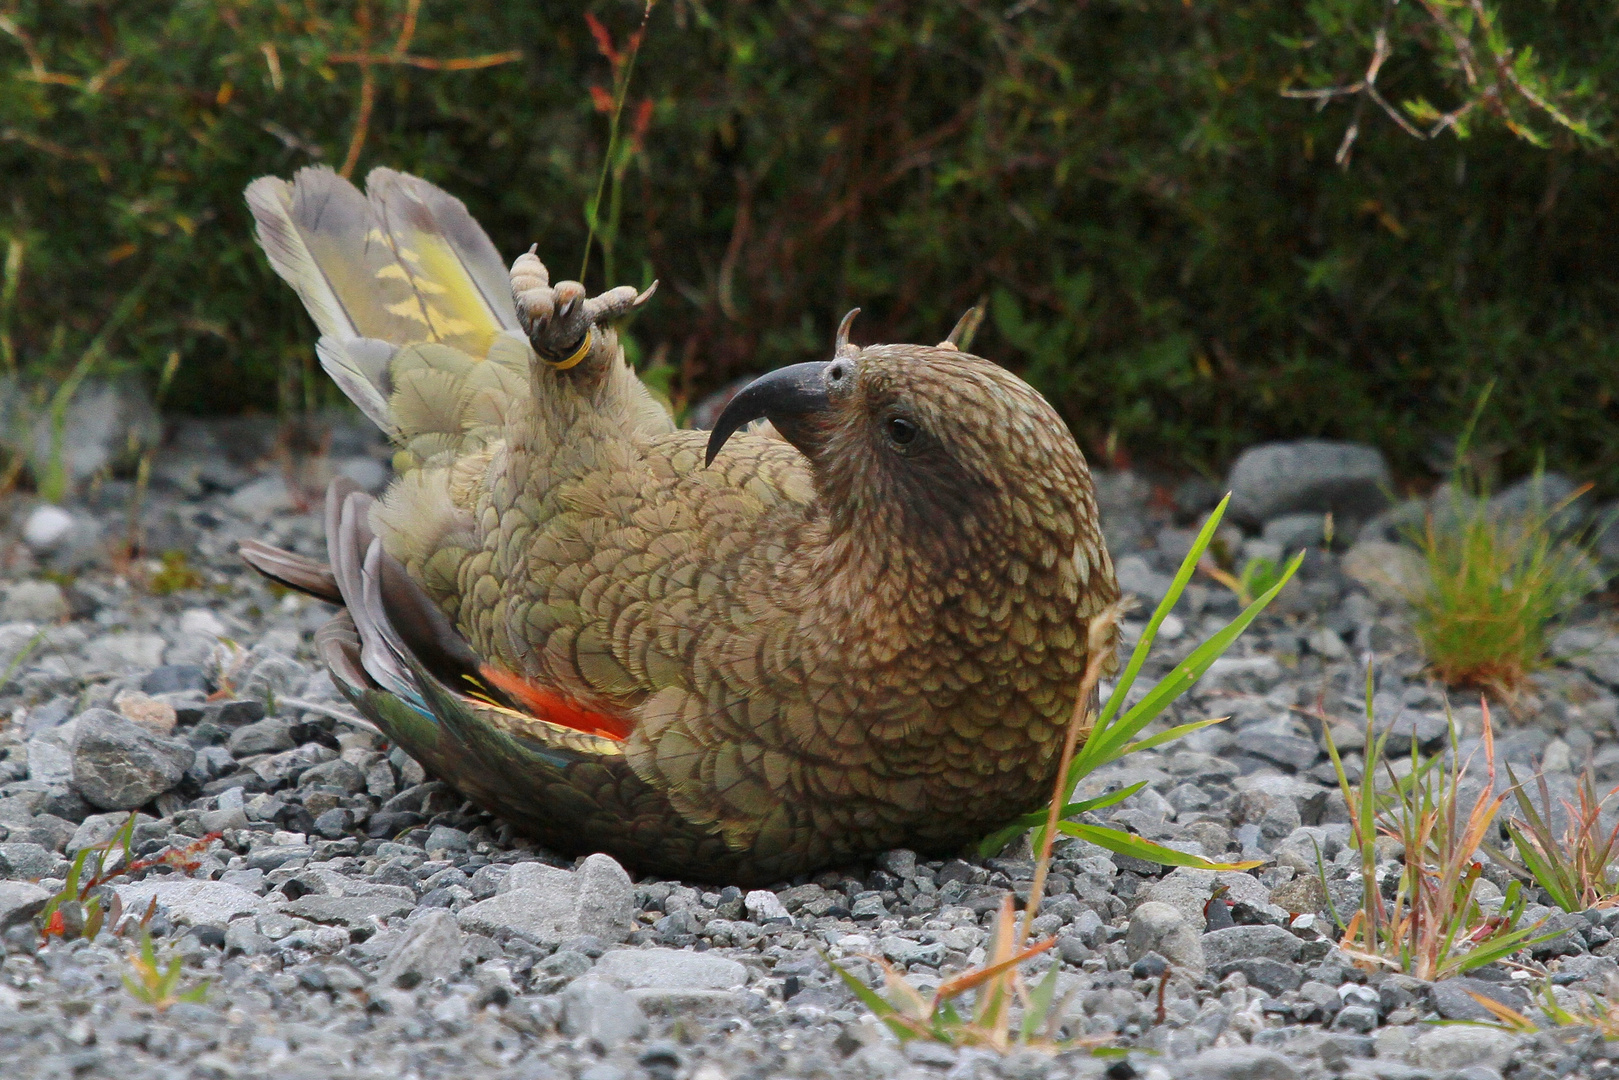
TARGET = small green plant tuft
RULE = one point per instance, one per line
(76, 911)
(1434, 927)
(1576, 870)
(155, 984)
(1495, 581)
(175, 575)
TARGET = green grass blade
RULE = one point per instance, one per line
(1138, 656)
(1123, 843)
(1173, 733)
(997, 840)
(1034, 1017)
(1109, 743)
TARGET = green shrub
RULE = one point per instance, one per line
(1166, 244)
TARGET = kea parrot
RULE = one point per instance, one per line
(731, 656)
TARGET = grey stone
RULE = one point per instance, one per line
(1137, 577)
(50, 755)
(551, 905)
(444, 838)
(119, 765)
(1349, 480)
(20, 901)
(26, 861)
(33, 601)
(243, 939)
(267, 736)
(103, 419)
(354, 912)
(174, 678)
(1164, 929)
(1236, 1063)
(1592, 649)
(117, 653)
(1453, 998)
(1293, 531)
(1276, 743)
(1393, 573)
(431, 949)
(337, 773)
(900, 862)
(1403, 726)
(192, 903)
(1243, 942)
(262, 499)
(904, 951)
(764, 906)
(1188, 890)
(1461, 1045)
(670, 969)
(593, 1008)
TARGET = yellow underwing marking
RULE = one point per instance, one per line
(409, 309)
(579, 353)
(444, 325)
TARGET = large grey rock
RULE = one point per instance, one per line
(24, 862)
(1551, 497)
(103, 420)
(1592, 649)
(670, 969)
(354, 912)
(1164, 929)
(50, 755)
(1187, 890)
(1236, 1063)
(593, 1008)
(1349, 480)
(193, 903)
(33, 601)
(1454, 1000)
(119, 765)
(1246, 942)
(551, 905)
(1456, 1047)
(1393, 573)
(118, 653)
(20, 901)
(431, 949)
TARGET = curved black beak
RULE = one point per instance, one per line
(784, 395)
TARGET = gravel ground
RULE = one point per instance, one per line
(357, 918)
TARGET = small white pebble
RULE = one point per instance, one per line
(201, 621)
(46, 526)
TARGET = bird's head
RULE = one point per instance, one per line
(928, 442)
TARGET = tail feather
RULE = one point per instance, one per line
(404, 267)
(452, 251)
(360, 368)
(293, 571)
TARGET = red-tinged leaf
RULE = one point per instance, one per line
(601, 99)
(604, 40)
(640, 124)
(55, 925)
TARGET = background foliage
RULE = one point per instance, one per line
(1186, 258)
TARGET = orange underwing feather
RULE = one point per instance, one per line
(553, 708)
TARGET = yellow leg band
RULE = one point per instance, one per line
(578, 354)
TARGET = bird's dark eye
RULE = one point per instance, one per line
(901, 430)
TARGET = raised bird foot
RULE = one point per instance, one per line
(558, 319)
